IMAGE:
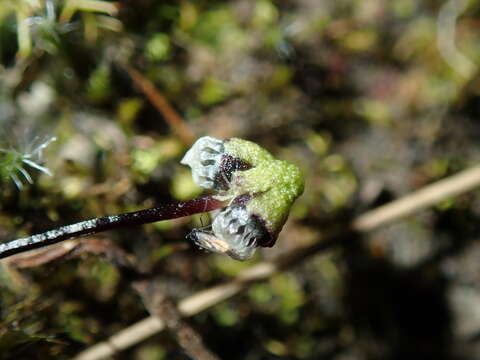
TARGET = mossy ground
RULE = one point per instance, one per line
(356, 93)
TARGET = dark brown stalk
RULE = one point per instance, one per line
(93, 226)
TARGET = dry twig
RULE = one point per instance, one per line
(161, 307)
(161, 103)
(446, 34)
(406, 206)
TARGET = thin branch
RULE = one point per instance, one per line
(93, 226)
(427, 196)
(161, 307)
(75, 248)
(446, 33)
(42, 256)
(161, 103)
(406, 206)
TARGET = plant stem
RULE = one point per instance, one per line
(93, 226)
(165, 310)
(160, 102)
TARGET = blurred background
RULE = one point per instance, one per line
(372, 99)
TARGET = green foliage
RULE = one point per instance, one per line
(212, 91)
(158, 47)
(98, 85)
(214, 26)
(15, 165)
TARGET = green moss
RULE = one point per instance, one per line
(183, 187)
(213, 91)
(98, 85)
(158, 47)
(214, 25)
(226, 315)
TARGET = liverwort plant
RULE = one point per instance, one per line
(259, 190)
(252, 195)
